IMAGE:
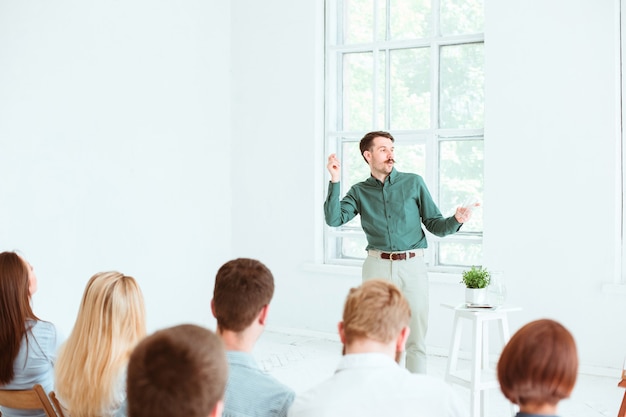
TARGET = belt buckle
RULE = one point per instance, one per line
(391, 256)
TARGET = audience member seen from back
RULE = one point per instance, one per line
(368, 380)
(241, 297)
(538, 367)
(27, 345)
(179, 371)
(91, 370)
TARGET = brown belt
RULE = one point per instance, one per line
(397, 256)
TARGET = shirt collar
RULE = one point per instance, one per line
(241, 358)
(366, 360)
(391, 177)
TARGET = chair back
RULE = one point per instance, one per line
(57, 405)
(29, 399)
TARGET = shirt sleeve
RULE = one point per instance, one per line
(339, 212)
(289, 397)
(432, 219)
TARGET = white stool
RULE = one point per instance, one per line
(479, 377)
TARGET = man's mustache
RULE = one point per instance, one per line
(391, 160)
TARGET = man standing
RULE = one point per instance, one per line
(368, 381)
(393, 206)
(241, 297)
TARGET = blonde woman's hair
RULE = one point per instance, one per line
(91, 367)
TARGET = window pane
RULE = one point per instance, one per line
(461, 179)
(410, 88)
(460, 253)
(410, 158)
(410, 19)
(358, 21)
(353, 247)
(354, 168)
(462, 86)
(358, 97)
(381, 29)
(460, 17)
(381, 97)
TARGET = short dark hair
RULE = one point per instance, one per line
(180, 370)
(539, 364)
(366, 142)
(243, 287)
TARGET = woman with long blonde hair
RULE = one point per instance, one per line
(91, 368)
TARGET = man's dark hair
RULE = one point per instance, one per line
(180, 370)
(243, 287)
(366, 142)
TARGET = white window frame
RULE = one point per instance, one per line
(618, 284)
(335, 137)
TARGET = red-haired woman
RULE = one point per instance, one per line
(27, 345)
(538, 367)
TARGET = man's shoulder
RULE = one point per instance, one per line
(367, 182)
(251, 393)
(408, 176)
(378, 388)
(251, 376)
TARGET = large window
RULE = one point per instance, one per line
(414, 68)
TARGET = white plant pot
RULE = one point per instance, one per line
(476, 295)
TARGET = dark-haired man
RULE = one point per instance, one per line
(243, 290)
(180, 370)
(393, 206)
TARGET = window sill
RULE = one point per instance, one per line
(614, 289)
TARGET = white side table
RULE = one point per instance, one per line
(479, 377)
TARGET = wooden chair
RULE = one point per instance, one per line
(622, 409)
(29, 399)
(57, 404)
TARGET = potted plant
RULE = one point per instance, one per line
(476, 281)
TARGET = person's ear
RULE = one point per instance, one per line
(217, 410)
(342, 334)
(368, 156)
(213, 307)
(402, 338)
(263, 314)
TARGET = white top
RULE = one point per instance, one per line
(373, 384)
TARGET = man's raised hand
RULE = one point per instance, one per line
(334, 167)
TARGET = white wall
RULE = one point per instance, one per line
(114, 149)
(552, 166)
(162, 139)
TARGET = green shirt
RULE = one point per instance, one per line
(391, 213)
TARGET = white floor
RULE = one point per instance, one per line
(303, 361)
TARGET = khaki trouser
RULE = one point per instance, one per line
(411, 277)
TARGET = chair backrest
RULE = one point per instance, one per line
(57, 405)
(29, 399)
